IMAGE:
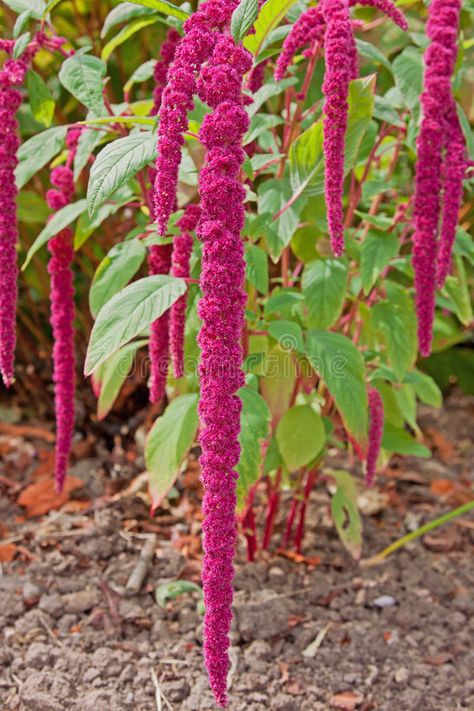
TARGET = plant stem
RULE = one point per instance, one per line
(440, 521)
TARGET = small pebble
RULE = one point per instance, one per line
(385, 601)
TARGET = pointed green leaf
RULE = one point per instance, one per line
(129, 313)
(271, 14)
(82, 76)
(341, 367)
(257, 267)
(168, 443)
(167, 8)
(243, 18)
(346, 513)
(59, 221)
(117, 163)
(300, 436)
(254, 429)
(400, 442)
(115, 271)
(378, 248)
(41, 101)
(395, 319)
(125, 34)
(37, 151)
(324, 286)
(112, 374)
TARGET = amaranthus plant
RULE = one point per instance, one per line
(274, 200)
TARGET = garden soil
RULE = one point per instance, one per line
(314, 632)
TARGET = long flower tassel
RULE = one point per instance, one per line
(62, 314)
(159, 262)
(12, 74)
(180, 267)
(222, 313)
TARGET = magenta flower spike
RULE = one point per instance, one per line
(180, 267)
(308, 29)
(436, 101)
(167, 52)
(222, 312)
(387, 7)
(341, 68)
(376, 418)
(200, 34)
(455, 162)
(12, 74)
(159, 262)
(62, 313)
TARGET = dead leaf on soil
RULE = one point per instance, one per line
(27, 431)
(444, 449)
(7, 552)
(347, 700)
(298, 558)
(40, 498)
(451, 491)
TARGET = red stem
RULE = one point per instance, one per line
(307, 491)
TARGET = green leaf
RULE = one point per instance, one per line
(259, 124)
(425, 387)
(125, 34)
(124, 12)
(324, 285)
(129, 313)
(384, 111)
(341, 367)
(117, 163)
(170, 591)
(82, 76)
(87, 225)
(243, 18)
(306, 153)
(88, 141)
(458, 291)
(112, 374)
(37, 151)
(58, 222)
(163, 6)
(406, 400)
(267, 91)
(395, 319)
(368, 50)
(270, 15)
(115, 271)
(346, 513)
(400, 442)
(378, 248)
(254, 429)
(288, 334)
(21, 22)
(168, 443)
(141, 73)
(20, 45)
(32, 208)
(273, 195)
(278, 382)
(257, 267)
(35, 7)
(300, 436)
(50, 7)
(408, 72)
(41, 101)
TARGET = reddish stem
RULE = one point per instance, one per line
(273, 505)
(307, 491)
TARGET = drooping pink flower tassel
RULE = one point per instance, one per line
(222, 312)
(167, 52)
(159, 262)
(454, 171)
(341, 68)
(62, 314)
(12, 74)
(376, 417)
(182, 249)
(387, 7)
(436, 101)
(308, 29)
(200, 34)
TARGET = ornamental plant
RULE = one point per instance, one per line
(273, 200)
